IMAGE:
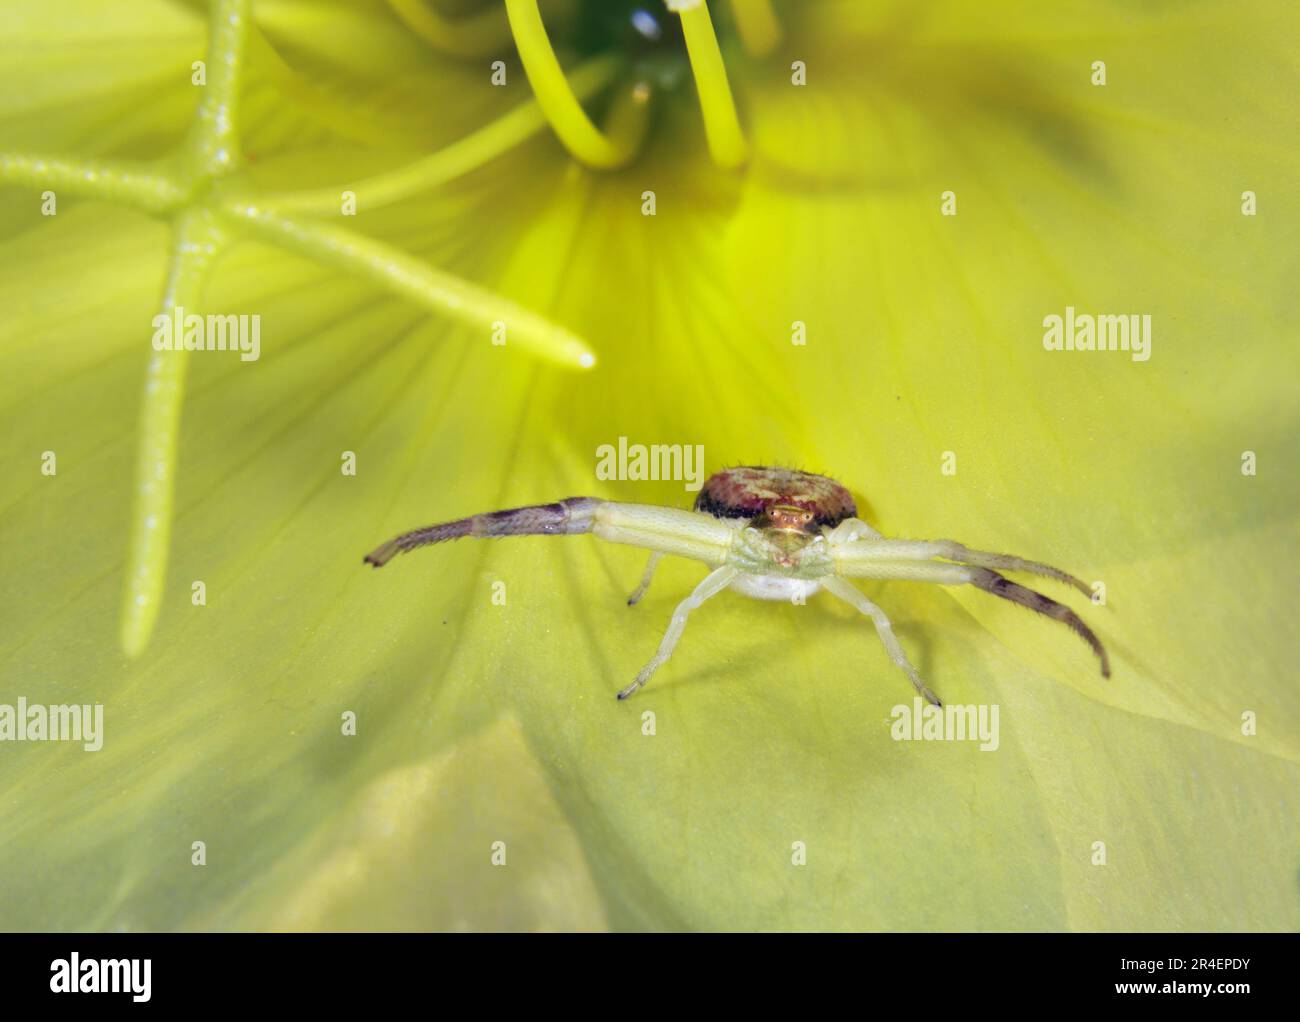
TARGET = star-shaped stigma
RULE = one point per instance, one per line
(190, 189)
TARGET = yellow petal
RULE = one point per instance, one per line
(771, 735)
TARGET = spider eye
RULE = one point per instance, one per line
(793, 519)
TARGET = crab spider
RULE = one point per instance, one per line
(771, 534)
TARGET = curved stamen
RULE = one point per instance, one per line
(757, 26)
(476, 35)
(721, 122)
(555, 95)
(459, 158)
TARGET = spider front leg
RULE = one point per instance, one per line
(716, 581)
(661, 529)
(910, 560)
(850, 595)
(923, 549)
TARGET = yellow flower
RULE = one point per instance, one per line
(854, 274)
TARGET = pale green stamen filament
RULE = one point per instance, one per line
(721, 122)
(196, 241)
(410, 277)
(138, 185)
(475, 35)
(213, 143)
(757, 25)
(557, 99)
(470, 153)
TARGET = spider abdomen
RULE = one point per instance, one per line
(784, 498)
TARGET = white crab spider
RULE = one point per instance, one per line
(771, 534)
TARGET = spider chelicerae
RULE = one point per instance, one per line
(771, 534)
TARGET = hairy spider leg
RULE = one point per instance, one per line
(640, 590)
(716, 581)
(992, 582)
(689, 534)
(867, 559)
(1006, 562)
(568, 517)
(849, 594)
(908, 549)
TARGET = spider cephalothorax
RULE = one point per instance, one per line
(772, 534)
(784, 512)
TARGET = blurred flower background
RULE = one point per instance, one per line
(479, 723)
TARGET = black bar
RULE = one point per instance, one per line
(556, 972)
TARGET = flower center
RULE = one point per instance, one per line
(645, 36)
